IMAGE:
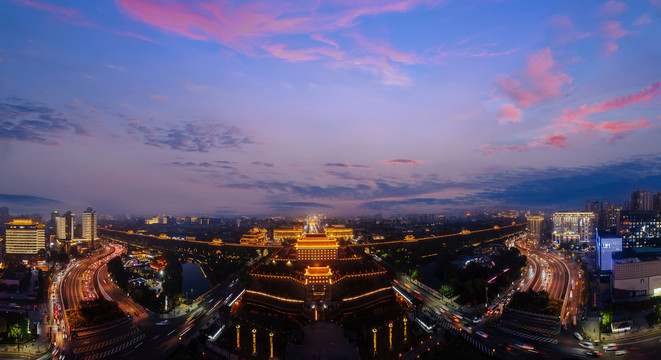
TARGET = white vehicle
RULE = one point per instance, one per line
(578, 336)
(610, 347)
(620, 352)
(586, 344)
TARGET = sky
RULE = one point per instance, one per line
(342, 107)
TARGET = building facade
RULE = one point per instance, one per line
(24, 237)
(337, 232)
(641, 229)
(89, 224)
(65, 226)
(255, 236)
(607, 243)
(636, 276)
(641, 200)
(573, 226)
(535, 223)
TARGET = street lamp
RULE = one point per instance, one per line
(238, 339)
(374, 332)
(390, 335)
(254, 342)
(271, 341)
(405, 337)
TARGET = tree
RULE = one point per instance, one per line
(14, 332)
(119, 274)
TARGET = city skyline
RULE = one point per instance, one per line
(346, 108)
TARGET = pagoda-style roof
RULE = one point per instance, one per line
(318, 271)
(316, 241)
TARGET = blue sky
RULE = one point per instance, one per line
(345, 107)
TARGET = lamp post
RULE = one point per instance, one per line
(390, 336)
(405, 335)
(271, 343)
(254, 342)
(374, 334)
(238, 337)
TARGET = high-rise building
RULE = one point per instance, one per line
(657, 202)
(593, 207)
(53, 219)
(24, 237)
(641, 200)
(607, 243)
(535, 223)
(89, 224)
(573, 226)
(65, 226)
(641, 229)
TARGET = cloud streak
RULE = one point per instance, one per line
(30, 122)
(345, 165)
(191, 136)
(402, 162)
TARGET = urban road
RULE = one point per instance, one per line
(515, 334)
(145, 335)
(510, 334)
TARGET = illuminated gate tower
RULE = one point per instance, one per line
(318, 279)
(318, 254)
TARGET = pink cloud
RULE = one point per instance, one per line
(612, 8)
(380, 68)
(643, 20)
(279, 51)
(385, 50)
(322, 39)
(575, 120)
(542, 79)
(613, 30)
(159, 97)
(239, 26)
(610, 48)
(402, 162)
(509, 112)
(73, 16)
(567, 32)
(556, 140)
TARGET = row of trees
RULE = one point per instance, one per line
(95, 312)
(471, 282)
(171, 278)
(536, 302)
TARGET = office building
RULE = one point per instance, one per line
(535, 223)
(607, 243)
(657, 202)
(573, 226)
(641, 229)
(89, 224)
(610, 215)
(641, 200)
(24, 237)
(65, 226)
(636, 274)
(593, 207)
